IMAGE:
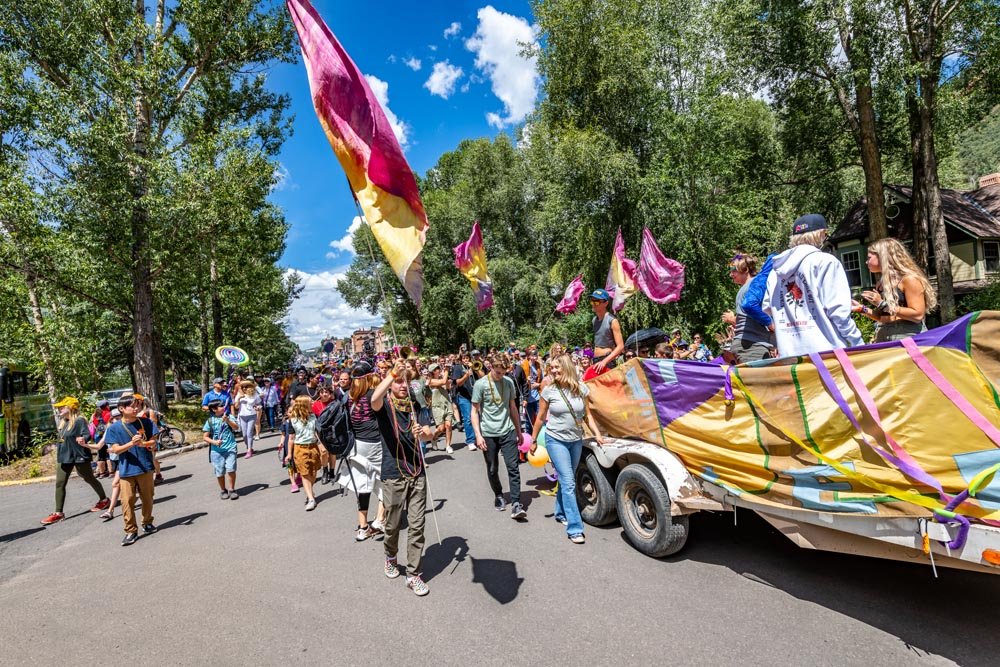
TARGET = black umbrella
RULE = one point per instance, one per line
(646, 337)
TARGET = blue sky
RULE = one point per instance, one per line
(444, 72)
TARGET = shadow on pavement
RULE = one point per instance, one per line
(158, 500)
(250, 488)
(181, 521)
(259, 452)
(434, 458)
(10, 537)
(438, 504)
(174, 480)
(498, 577)
(330, 493)
(439, 556)
(952, 616)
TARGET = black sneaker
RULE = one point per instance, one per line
(148, 529)
(500, 504)
(517, 511)
(129, 539)
(223, 495)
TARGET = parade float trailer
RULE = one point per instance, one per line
(887, 450)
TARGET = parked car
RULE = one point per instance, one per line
(188, 389)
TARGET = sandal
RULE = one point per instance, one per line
(107, 515)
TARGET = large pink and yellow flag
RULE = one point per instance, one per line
(470, 258)
(621, 282)
(366, 148)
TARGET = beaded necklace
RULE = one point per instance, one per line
(403, 406)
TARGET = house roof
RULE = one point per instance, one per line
(976, 213)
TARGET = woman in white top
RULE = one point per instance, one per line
(563, 407)
(247, 409)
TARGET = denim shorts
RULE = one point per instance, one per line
(223, 462)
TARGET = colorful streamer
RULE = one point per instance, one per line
(571, 297)
(621, 276)
(366, 148)
(659, 277)
(470, 258)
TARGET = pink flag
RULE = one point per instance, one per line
(621, 276)
(470, 258)
(572, 296)
(660, 278)
(367, 149)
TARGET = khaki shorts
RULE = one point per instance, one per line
(306, 459)
(442, 414)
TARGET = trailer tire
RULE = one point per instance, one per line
(595, 493)
(644, 512)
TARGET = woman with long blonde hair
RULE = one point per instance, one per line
(903, 295)
(303, 445)
(563, 408)
(246, 407)
(74, 453)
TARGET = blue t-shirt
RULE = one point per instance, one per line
(217, 396)
(218, 429)
(133, 461)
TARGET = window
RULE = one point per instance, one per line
(991, 253)
(852, 265)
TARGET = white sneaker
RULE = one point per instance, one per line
(449, 450)
(378, 525)
(472, 448)
(310, 505)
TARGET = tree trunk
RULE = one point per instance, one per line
(213, 280)
(149, 375)
(41, 341)
(871, 163)
(932, 202)
(917, 200)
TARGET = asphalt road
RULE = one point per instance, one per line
(260, 581)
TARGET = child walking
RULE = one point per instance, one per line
(219, 432)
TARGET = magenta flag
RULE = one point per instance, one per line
(660, 278)
(572, 296)
(470, 258)
(621, 276)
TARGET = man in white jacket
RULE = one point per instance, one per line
(808, 296)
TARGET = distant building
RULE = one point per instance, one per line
(989, 179)
(368, 342)
(972, 224)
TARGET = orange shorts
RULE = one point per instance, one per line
(306, 459)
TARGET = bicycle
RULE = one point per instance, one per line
(169, 436)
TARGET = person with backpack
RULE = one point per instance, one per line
(220, 433)
(324, 399)
(364, 461)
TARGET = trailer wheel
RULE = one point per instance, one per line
(594, 492)
(644, 511)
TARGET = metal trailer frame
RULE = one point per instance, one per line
(896, 538)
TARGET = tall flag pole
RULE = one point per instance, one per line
(365, 146)
(659, 277)
(470, 258)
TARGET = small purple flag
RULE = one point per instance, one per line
(660, 278)
(572, 296)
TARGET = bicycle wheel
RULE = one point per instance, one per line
(177, 435)
(171, 437)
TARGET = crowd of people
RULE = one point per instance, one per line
(377, 418)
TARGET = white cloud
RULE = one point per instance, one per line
(345, 244)
(443, 78)
(282, 179)
(498, 43)
(432, 47)
(321, 311)
(381, 90)
(413, 63)
(452, 30)
(391, 58)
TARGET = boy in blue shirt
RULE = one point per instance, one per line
(133, 439)
(217, 394)
(219, 432)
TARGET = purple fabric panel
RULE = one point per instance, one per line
(679, 387)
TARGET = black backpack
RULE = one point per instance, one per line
(334, 426)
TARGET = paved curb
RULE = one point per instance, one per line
(161, 455)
